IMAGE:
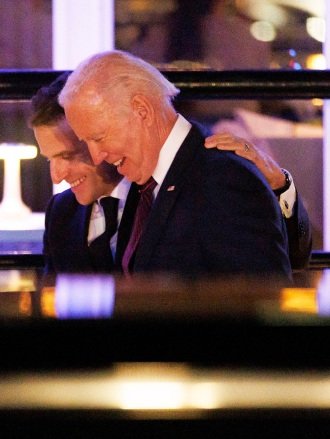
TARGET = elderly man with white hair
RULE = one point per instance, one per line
(190, 210)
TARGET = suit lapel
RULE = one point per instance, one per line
(126, 223)
(80, 226)
(169, 191)
(71, 236)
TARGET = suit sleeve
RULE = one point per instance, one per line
(299, 236)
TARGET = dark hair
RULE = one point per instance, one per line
(45, 109)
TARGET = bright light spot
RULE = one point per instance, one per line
(205, 396)
(317, 102)
(17, 150)
(84, 296)
(151, 395)
(298, 300)
(263, 31)
(316, 61)
(261, 10)
(315, 27)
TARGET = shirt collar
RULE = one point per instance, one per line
(120, 191)
(171, 146)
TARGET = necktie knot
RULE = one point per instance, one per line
(148, 186)
(99, 249)
(110, 210)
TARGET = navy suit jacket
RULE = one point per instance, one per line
(65, 237)
(182, 212)
(300, 236)
(214, 214)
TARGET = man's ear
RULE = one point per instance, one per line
(143, 108)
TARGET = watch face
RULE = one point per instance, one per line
(288, 179)
(287, 184)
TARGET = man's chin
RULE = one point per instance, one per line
(83, 201)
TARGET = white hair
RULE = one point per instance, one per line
(116, 74)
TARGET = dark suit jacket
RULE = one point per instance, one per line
(300, 236)
(222, 217)
(65, 237)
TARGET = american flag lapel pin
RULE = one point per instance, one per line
(170, 188)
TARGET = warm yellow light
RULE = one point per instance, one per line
(151, 395)
(316, 61)
(47, 302)
(25, 303)
(299, 300)
(317, 102)
(17, 281)
(206, 395)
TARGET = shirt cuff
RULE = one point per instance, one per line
(287, 200)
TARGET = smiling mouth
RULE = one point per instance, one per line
(78, 182)
(118, 163)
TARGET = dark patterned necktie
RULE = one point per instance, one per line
(140, 218)
(99, 249)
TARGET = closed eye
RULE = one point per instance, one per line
(98, 139)
(69, 156)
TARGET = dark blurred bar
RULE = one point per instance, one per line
(20, 85)
(92, 321)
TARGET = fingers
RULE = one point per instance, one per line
(218, 139)
(229, 142)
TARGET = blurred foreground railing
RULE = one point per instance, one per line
(20, 85)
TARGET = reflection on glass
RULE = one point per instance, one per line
(25, 303)
(17, 281)
(311, 300)
(16, 290)
(47, 301)
(86, 296)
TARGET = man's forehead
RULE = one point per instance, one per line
(84, 109)
(87, 96)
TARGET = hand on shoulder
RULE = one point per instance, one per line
(226, 141)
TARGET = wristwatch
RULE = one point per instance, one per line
(288, 181)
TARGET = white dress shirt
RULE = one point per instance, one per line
(288, 199)
(171, 146)
(168, 151)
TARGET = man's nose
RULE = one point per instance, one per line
(58, 171)
(97, 156)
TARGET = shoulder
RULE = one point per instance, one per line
(233, 169)
(66, 196)
(223, 165)
(63, 200)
